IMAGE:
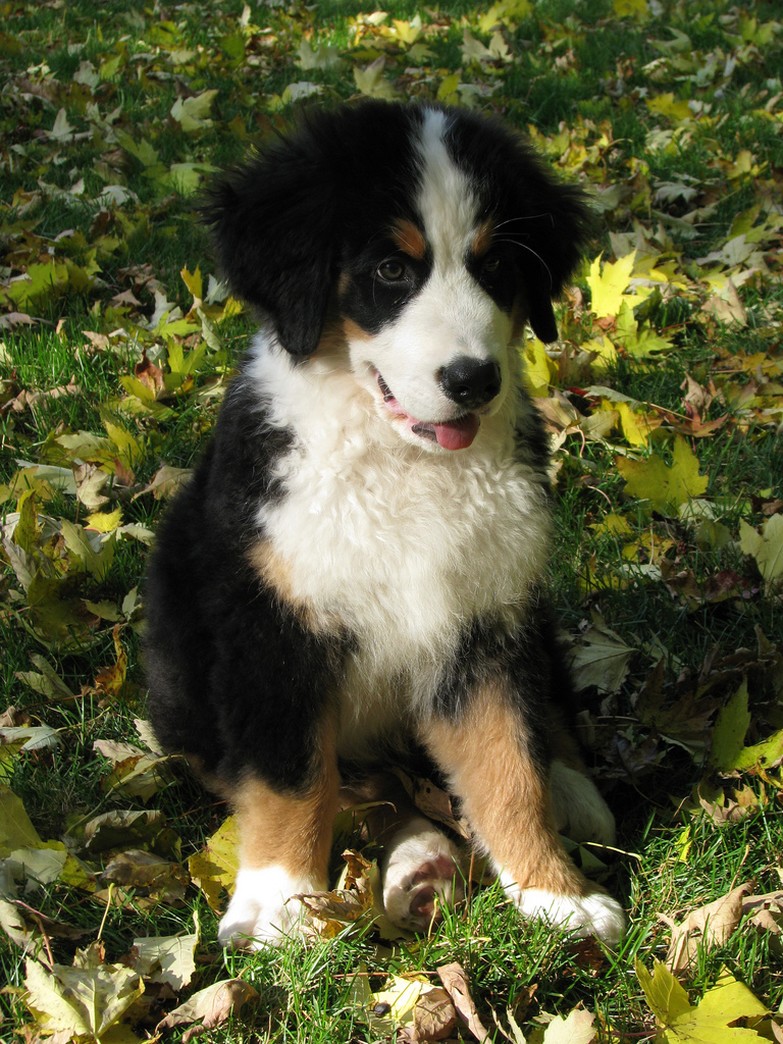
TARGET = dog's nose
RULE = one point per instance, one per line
(470, 382)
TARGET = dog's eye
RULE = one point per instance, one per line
(490, 266)
(391, 271)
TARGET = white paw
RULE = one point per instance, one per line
(595, 914)
(421, 869)
(261, 911)
(579, 810)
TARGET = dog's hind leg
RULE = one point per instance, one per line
(579, 810)
(422, 870)
(421, 867)
(493, 766)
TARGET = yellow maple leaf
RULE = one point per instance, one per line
(105, 521)
(666, 488)
(670, 107)
(609, 283)
(539, 369)
(636, 427)
(214, 868)
(711, 1020)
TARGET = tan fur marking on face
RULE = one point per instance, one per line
(482, 238)
(331, 344)
(353, 332)
(518, 318)
(291, 831)
(409, 238)
(504, 794)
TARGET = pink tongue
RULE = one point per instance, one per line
(458, 434)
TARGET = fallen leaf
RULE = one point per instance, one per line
(214, 868)
(703, 929)
(372, 82)
(666, 487)
(147, 874)
(609, 283)
(766, 547)
(169, 959)
(577, 1028)
(192, 113)
(455, 979)
(601, 658)
(86, 1002)
(710, 1021)
(210, 1008)
(731, 726)
(765, 912)
(408, 1007)
(328, 913)
(166, 482)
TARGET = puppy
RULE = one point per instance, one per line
(355, 577)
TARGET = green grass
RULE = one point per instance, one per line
(592, 87)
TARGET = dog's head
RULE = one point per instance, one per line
(421, 237)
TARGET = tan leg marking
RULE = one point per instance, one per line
(292, 832)
(505, 795)
(284, 843)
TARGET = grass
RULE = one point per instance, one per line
(101, 217)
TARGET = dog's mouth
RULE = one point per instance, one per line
(454, 434)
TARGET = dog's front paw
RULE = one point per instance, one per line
(595, 914)
(262, 910)
(421, 870)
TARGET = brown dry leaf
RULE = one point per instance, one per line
(765, 911)
(407, 1010)
(13, 718)
(328, 913)
(90, 482)
(728, 807)
(455, 979)
(110, 680)
(151, 376)
(727, 306)
(709, 926)
(149, 874)
(433, 802)
(210, 1007)
(26, 399)
(434, 1017)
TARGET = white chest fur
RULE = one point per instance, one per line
(403, 546)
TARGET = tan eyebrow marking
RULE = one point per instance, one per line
(482, 238)
(409, 238)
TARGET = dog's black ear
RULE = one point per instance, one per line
(273, 223)
(547, 222)
(552, 239)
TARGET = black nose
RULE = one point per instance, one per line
(470, 382)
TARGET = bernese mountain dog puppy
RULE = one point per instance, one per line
(355, 576)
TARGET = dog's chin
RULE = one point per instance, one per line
(448, 435)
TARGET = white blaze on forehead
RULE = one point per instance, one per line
(447, 200)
